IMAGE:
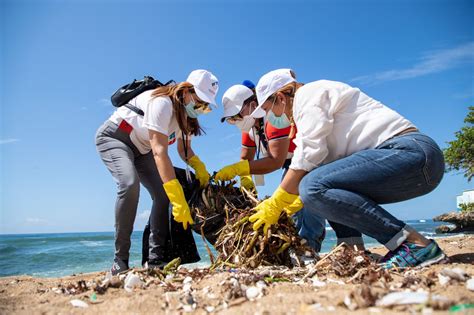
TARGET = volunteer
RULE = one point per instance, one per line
(134, 147)
(275, 146)
(352, 154)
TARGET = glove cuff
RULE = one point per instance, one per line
(296, 206)
(244, 167)
(283, 196)
(173, 189)
(195, 161)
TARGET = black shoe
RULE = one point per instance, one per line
(119, 266)
(156, 264)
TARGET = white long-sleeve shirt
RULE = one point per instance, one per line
(335, 120)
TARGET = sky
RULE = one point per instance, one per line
(62, 60)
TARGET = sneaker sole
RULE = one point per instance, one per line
(440, 259)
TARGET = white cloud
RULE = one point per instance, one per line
(5, 141)
(229, 136)
(105, 102)
(464, 95)
(36, 221)
(144, 215)
(431, 62)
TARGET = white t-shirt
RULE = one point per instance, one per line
(335, 120)
(159, 116)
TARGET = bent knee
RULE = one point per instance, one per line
(128, 186)
(311, 189)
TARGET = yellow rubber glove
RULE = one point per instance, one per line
(201, 172)
(247, 183)
(269, 210)
(241, 168)
(175, 194)
(296, 206)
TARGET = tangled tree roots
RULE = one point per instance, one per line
(237, 243)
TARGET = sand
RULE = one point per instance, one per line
(211, 292)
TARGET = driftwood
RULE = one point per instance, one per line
(237, 244)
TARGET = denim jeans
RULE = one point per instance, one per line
(349, 191)
(311, 227)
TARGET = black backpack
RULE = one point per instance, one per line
(124, 94)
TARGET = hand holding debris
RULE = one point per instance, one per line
(228, 172)
(268, 212)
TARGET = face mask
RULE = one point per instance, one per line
(191, 111)
(278, 122)
(246, 123)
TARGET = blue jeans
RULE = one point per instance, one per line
(348, 191)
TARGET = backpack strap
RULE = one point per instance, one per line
(135, 109)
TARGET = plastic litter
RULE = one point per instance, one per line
(403, 298)
(317, 283)
(79, 303)
(132, 281)
(470, 284)
(460, 307)
(455, 274)
(253, 293)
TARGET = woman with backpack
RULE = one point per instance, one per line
(352, 154)
(133, 144)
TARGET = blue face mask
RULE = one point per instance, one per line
(192, 113)
(280, 122)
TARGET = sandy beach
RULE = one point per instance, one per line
(262, 291)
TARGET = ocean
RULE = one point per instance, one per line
(61, 254)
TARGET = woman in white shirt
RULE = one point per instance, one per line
(134, 148)
(352, 154)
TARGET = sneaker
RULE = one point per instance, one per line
(374, 256)
(411, 255)
(119, 266)
(156, 264)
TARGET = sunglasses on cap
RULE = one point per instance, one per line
(233, 119)
(200, 106)
(237, 117)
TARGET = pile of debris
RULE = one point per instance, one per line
(226, 209)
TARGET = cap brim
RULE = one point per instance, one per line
(258, 112)
(204, 97)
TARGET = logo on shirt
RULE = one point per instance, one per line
(172, 138)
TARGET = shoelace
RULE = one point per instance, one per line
(399, 254)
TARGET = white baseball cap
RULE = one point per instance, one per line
(205, 84)
(234, 98)
(268, 84)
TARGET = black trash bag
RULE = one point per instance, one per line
(180, 242)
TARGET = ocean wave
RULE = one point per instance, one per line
(328, 228)
(92, 243)
(8, 249)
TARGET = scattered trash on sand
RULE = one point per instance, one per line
(250, 264)
(79, 303)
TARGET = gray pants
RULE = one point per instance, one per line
(129, 168)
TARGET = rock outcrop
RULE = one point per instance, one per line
(463, 221)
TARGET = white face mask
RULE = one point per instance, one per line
(246, 123)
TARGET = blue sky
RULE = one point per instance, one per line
(61, 60)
